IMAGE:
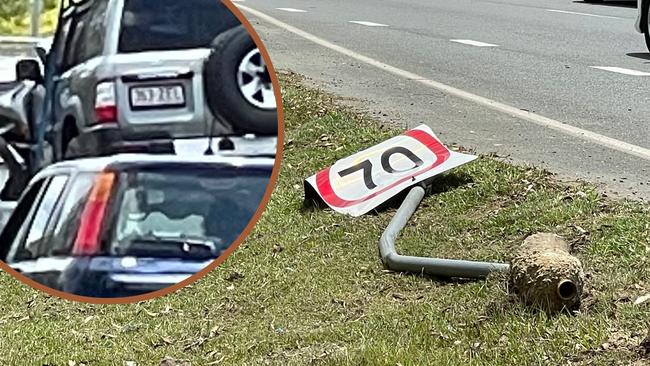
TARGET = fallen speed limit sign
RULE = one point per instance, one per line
(359, 183)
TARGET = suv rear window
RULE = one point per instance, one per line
(184, 212)
(159, 25)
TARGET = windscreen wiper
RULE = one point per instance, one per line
(187, 245)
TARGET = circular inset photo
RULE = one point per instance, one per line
(140, 144)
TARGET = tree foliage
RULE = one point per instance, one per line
(15, 15)
(21, 8)
(14, 8)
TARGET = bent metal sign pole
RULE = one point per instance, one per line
(359, 183)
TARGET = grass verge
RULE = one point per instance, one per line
(308, 287)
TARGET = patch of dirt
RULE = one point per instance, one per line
(633, 346)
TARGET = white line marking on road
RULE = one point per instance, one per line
(368, 24)
(621, 70)
(474, 43)
(537, 119)
(584, 14)
(292, 10)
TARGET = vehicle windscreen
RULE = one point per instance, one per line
(160, 25)
(184, 213)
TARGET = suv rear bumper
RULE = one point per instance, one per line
(108, 140)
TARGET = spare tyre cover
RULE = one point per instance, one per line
(238, 85)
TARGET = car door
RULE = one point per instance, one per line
(34, 239)
(87, 45)
(54, 65)
(75, 89)
(64, 104)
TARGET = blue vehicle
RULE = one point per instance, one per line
(131, 224)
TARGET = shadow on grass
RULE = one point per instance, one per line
(441, 281)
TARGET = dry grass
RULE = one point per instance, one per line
(308, 288)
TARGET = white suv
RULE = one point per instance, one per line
(122, 74)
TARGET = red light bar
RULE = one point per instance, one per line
(107, 114)
(92, 218)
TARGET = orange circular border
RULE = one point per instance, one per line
(217, 262)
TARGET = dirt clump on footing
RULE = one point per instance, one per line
(544, 274)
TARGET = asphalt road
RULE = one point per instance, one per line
(521, 55)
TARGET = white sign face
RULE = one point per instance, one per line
(359, 183)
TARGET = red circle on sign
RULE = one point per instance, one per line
(331, 198)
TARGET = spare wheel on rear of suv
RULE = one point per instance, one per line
(238, 84)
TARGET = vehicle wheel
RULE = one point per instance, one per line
(238, 84)
(645, 22)
(68, 134)
(74, 150)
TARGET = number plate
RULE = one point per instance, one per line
(163, 96)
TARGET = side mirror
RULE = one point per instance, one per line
(29, 70)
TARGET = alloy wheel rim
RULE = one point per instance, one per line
(254, 81)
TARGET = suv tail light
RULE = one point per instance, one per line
(105, 103)
(92, 218)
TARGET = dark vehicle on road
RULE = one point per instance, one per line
(131, 75)
(131, 224)
(643, 20)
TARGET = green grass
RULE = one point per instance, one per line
(16, 19)
(326, 299)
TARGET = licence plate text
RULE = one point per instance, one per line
(158, 96)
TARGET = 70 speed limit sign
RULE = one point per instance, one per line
(359, 183)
